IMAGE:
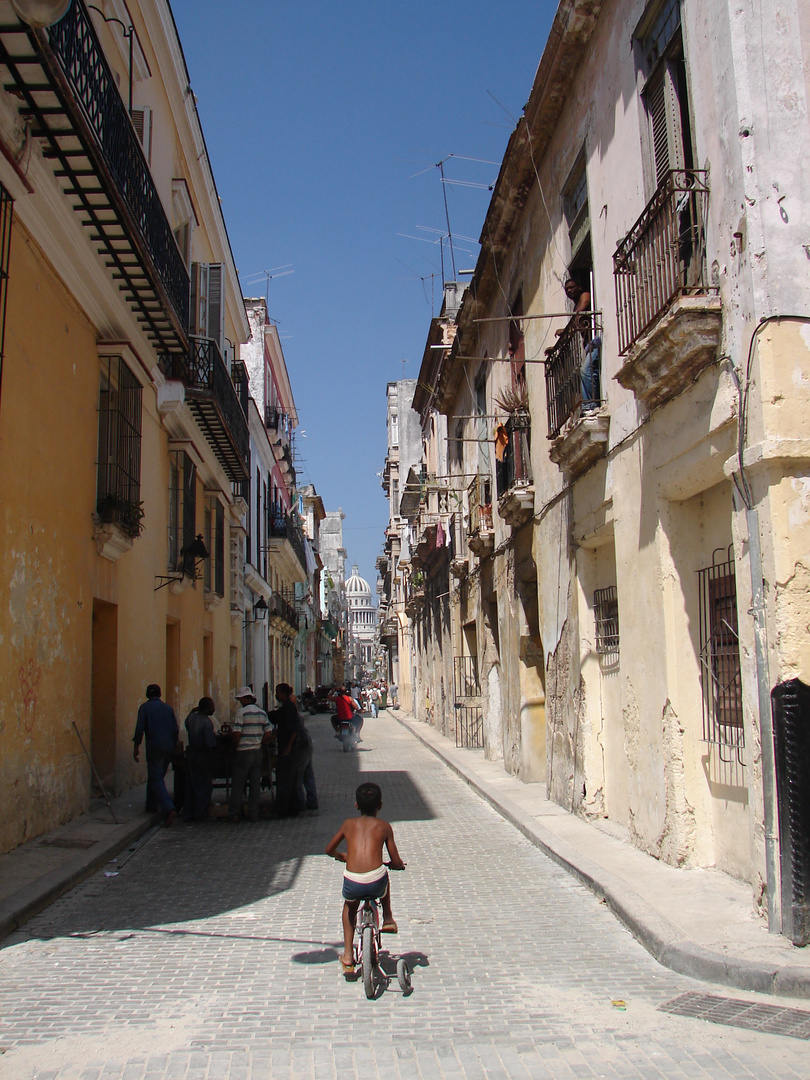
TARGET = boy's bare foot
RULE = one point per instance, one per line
(389, 927)
(347, 965)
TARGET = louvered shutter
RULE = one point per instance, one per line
(207, 306)
(664, 111)
(142, 122)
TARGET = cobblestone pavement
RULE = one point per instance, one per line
(212, 955)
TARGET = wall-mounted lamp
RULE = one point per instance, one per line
(192, 556)
(259, 612)
(40, 13)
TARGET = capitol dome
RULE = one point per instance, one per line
(357, 587)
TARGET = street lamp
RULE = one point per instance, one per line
(40, 13)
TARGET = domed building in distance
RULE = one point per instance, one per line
(362, 620)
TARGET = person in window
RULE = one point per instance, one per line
(589, 373)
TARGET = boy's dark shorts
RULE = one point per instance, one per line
(367, 890)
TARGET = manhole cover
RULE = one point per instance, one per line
(771, 1019)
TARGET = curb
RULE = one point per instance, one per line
(28, 901)
(658, 936)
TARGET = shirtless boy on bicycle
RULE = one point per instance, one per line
(365, 876)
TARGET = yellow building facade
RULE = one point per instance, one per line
(123, 435)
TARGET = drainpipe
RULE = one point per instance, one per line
(757, 611)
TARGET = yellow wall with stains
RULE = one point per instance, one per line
(51, 572)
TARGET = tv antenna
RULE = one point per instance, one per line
(269, 275)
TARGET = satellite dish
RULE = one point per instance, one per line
(40, 13)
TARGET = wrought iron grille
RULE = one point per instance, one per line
(469, 726)
(468, 711)
(606, 615)
(118, 488)
(721, 679)
(663, 255)
(76, 47)
(516, 466)
(465, 677)
(283, 527)
(203, 369)
(578, 351)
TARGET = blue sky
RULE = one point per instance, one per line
(317, 116)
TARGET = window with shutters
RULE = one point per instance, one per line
(142, 122)
(214, 536)
(184, 218)
(666, 100)
(118, 486)
(207, 307)
(182, 511)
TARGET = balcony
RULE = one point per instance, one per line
(285, 540)
(577, 425)
(513, 472)
(480, 531)
(213, 400)
(669, 317)
(282, 613)
(279, 430)
(68, 93)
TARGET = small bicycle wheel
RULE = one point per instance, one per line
(404, 976)
(369, 961)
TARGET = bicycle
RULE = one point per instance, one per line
(368, 942)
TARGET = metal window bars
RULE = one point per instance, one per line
(721, 679)
(515, 469)
(606, 617)
(663, 256)
(469, 715)
(118, 489)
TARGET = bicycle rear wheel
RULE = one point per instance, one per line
(369, 960)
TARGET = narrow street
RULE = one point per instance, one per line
(213, 954)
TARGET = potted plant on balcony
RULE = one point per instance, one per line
(515, 401)
(126, 513)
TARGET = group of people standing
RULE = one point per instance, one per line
(251, 730)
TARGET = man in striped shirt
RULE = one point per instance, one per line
(251, 728)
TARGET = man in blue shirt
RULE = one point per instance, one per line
(157, 722)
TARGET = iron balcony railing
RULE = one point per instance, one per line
(515, 468)
(281, 607)
(479, 501)
(283, 527)
(74, 43)
(663, 255)
(213, 399)
(573, 375)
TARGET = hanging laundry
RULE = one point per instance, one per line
(501, 442)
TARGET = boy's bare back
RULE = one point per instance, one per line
(365, 838)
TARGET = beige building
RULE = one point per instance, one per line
(123, 423)
(633, 477)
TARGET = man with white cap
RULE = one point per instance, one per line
(251, 728)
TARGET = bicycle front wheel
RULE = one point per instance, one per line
(369, 960)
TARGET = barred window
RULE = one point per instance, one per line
(118, 484)
(182, 510)
(720, 654)
(214, 537)
(606, 615)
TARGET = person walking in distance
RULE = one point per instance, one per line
(158, 725)
(199, 776)
(250, 729)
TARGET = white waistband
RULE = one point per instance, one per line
(364, 879)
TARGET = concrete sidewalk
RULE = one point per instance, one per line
(37, 872)
(697, 922)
